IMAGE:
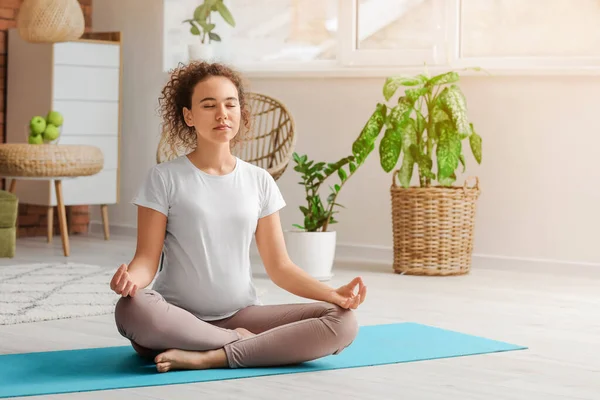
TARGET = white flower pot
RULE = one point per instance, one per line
(201, 52)
(314, 252)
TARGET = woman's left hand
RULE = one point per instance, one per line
(346, 297)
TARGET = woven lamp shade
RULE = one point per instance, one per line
(50, 21)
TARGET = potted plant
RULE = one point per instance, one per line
(201, 25)
(427, 130)
(312, 247)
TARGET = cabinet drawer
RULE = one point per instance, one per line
(88, 117)
(96, 189)
(85, 83)
(89, 54)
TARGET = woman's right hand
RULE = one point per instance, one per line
(122, 284)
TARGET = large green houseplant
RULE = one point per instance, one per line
(426, 129)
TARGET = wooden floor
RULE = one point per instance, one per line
(554, 310)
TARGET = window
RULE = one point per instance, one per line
(360, 35)
(391, 32)
(531, 35)
(283, 31)
(532, 28)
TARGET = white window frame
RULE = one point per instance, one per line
(443, 56)
(503, 65)
(350, 56)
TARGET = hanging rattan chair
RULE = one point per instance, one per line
(270, 142)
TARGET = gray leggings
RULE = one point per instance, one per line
(285, 334)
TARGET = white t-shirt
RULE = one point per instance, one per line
(211, 221)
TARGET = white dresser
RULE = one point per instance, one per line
(81, 80)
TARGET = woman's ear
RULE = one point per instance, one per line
(187, 116)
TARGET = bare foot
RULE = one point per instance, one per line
(175, 359)
(245, 333)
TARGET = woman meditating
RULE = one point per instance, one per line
(204, 208)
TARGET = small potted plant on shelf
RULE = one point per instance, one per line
(202, 25)
(426, 129)
(312, 247)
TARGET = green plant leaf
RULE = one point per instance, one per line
(194, 30)
(414, 94)
(409, 137)
(475, 143)
(203, 24)
(298, 226)
(442, 79)
(448, 151)
(454, 103)
(448, 180)
(352, 167)
(365, 143)
(424, 162)
(400, 114)
(319, 166)
(342, 174)
(214, 37)
(392, 84)
(390, 148)
(461, 158)
(201, 12)
(225, 13)
(438, 118)
(439, 114)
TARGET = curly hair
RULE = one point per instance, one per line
(177, 94)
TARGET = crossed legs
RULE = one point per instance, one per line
(255, 336)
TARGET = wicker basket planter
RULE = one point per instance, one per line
(433, 228)
(49, 160)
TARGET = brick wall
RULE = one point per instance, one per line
(32, 220)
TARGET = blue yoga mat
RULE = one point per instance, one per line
(68, 371)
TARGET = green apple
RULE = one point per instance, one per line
(35, 139)
(37, 125)
(55, 118)
(50, 133)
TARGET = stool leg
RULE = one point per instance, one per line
(62, 217)
(104, 209)
(13, 186)
(50, 220)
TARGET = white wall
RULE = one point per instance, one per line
(539, 177)
(140, 22)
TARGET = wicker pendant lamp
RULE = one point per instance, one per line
(50, 21)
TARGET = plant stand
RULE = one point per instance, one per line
(52, 163)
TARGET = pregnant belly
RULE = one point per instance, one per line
(204, 298)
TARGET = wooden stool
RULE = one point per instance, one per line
(52, 163)
(62, 216)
